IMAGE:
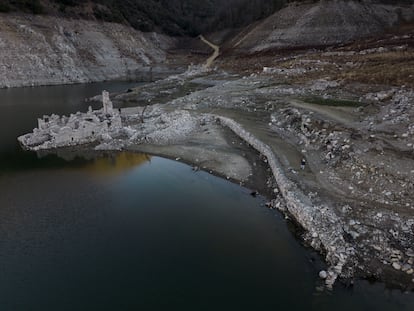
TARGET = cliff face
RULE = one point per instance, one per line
(322, 23)
(41, 50)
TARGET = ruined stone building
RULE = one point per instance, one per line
(80, 128)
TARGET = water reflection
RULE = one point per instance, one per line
(161, 237)
(94, 163)
(22, 106)
(115, 163)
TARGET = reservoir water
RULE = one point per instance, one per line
(136, 232)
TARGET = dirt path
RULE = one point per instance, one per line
(216, 53)
(341, 115)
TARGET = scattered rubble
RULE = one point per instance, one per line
(80, 128)
(355, 196)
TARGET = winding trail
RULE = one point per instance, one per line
(216, 53)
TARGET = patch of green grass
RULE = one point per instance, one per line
(332, 102)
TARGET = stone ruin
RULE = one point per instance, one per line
(108, 108)
(80, 128)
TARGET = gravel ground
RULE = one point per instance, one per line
(357, 184)
(354, 198)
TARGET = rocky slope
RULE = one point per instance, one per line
(41, 50)
(321, 23)
(173, 17)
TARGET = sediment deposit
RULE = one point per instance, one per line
(347, 111)
(354, 198)
(314, 24)
(45, 50)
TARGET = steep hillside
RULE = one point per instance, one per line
(40, 50)
(173, 17)
(323, 23)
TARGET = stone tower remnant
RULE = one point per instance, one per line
(108, 108)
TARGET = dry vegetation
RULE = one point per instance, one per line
(388, 60)
(392, 68)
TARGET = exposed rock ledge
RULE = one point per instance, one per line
(323, 225)
(161, 128)
(44, 50)
(349, 217)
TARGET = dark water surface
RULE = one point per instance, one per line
(134, 232)
(20, 107)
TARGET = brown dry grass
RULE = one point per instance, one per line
(392, 68)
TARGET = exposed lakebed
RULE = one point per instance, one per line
(122, 231)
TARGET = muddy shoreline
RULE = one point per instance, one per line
(353, 199)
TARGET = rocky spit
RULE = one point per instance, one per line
(354, 198)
